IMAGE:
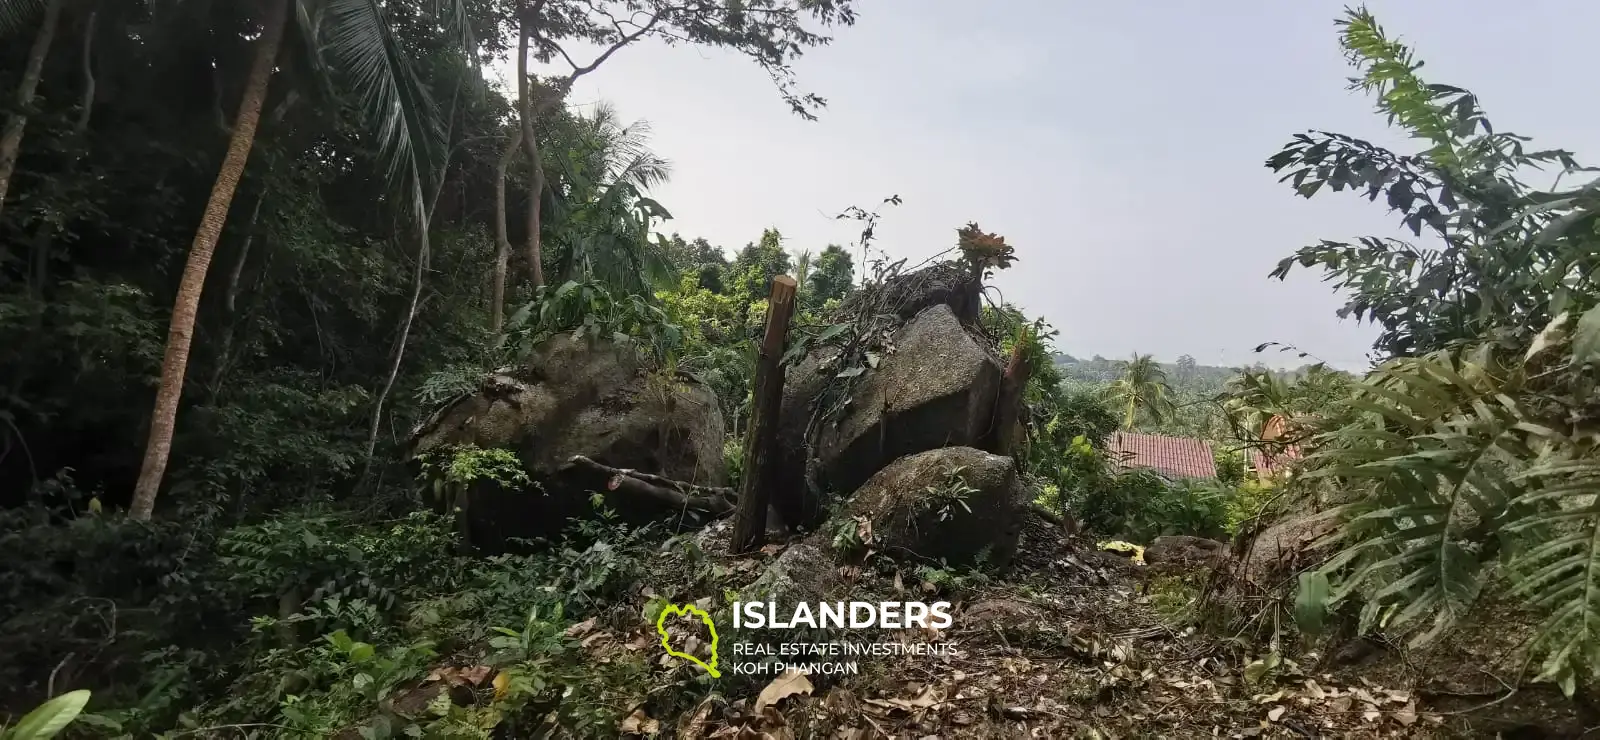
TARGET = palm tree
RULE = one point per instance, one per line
(14, 15)
(1142, 390)
(601, 216)
(802, 269)
(358, 36)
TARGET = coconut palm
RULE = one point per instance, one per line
(600, 216)
(1141, 391)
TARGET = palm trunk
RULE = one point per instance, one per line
(525, 109)
(11, 139)
(180, 334)
(502, 242)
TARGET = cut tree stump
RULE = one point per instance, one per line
(1008, 406)
(750, 524)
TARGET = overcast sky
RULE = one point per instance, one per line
(1118, 146)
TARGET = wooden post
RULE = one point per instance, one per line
(761, 437)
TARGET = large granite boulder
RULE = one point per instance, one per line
(576, 397)
(957, 504)
(936, 388)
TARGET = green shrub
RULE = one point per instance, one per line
(1140, 505)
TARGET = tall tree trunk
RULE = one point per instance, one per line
(180, 334)
(502, 242)
(424, 255)
(11, 139)
(535, 254)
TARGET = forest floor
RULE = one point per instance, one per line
(1072, 643)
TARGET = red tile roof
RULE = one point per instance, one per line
(1183, 457)
(1179, 457)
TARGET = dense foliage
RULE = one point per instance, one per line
(358, 269)
(1472, 447)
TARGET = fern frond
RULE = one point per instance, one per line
(1436, 457)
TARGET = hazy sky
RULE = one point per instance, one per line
(1118, 146)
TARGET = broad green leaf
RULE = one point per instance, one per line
(50, 717)
(361, 652)
(1311, 603)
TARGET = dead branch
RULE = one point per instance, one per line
(714, 500)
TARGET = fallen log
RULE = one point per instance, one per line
(714, 500)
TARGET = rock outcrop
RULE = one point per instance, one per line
(936, 388)
(957, 504)
(573, 397)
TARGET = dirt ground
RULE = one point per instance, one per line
(1071, 642)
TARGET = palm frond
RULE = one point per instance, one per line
(409, 134)
(18, 17)
(1463, 475)
(455, 22)
(1561, 576)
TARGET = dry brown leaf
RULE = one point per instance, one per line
(477, 674)
(772, 549)
(1275, 714)
(927, 697)
(582, 628)
(693, 726)
(1314, 691)
(790, 683)
(1407, 715)
(639, 723)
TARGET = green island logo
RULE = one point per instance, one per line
(689, 610)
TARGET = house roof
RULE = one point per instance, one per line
(1179, 457)
(1182, 457)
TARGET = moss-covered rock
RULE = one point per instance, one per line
(957, 504)
(574, 397)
